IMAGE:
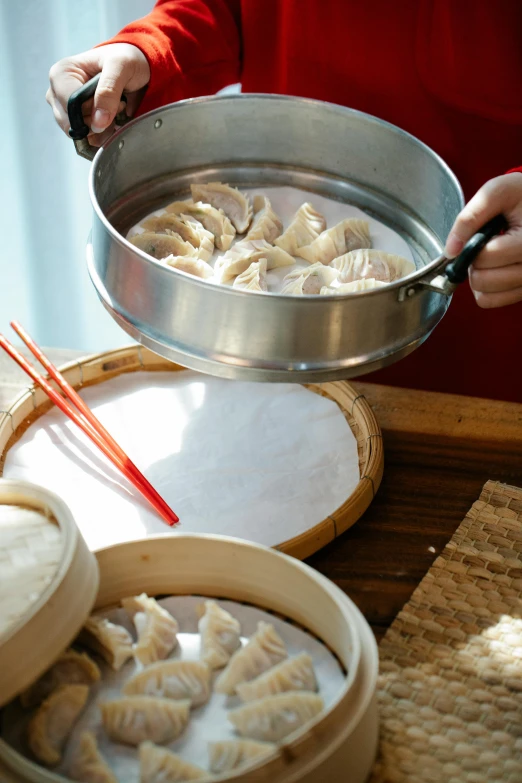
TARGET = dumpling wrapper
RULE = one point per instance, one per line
(275, 717)
(157, 629)
(238, 258)
(294, 674)
(308, 281)
(227, 755)
(71, 668)
(306, 226)
(349, 234)
(135, 719)
(88, 764)
(366, 284)
(220, 635)
(111, 641)
(160, 246)
(253, 278)
(263, 650)
(231, 201)
(191, 266)
(159, 765)
(213, 220)
(54, 720)
(376, 264)
(266, 224)
(172, 680)
(189, 229)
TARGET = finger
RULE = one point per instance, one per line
(489, 301)
(64, 81)
(107, 97)
(98, 139)
(493, 281)
(501, 251)
(475, 214)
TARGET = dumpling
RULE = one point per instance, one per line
(304, 228)
(294, 674)
(191, 266)
(187, 228)
(157, 629)
(234, 204)
(366, 284)
(375, 264)
(162, 245)
(275, 717)
(159, 765)
(204, 237)
(134, 719)
(239, 258)
(214, 220)
(308, 281)
(347, 235)
(53, 721)
(266, 224)
(253, 278)
(71, 668)
(230, 754)
(88, 764)
(111, 641)
(172, 680)
(220, 635)
(264, 649)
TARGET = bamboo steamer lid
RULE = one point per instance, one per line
(48, 583)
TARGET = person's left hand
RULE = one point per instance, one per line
(496, 274)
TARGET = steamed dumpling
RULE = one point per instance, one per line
(376, 264)
(253, 278)
(134, 719)
(111, 641)
(230, 754)
(220, 635)
(264, 649)
(172, 680)
(191, 266)
(157, 629)
(159, 765)
(238, 258)
(347, 235)
(294, 674)
(266, 224)
(234, 204)
(275, 717)
(366, 284)
(304, 228)
(88, 764)
(308, 281)
(213, 220)
(53, 721)
(162, 245)
(187, 228)
(200, 234)
(71, 668)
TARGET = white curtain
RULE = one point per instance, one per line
(45, 212)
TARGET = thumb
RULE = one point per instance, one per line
(478, 211)
(107, 98)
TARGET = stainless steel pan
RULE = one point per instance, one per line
(256, 140)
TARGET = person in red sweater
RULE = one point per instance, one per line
(448, 72)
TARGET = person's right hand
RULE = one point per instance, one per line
(123, 67)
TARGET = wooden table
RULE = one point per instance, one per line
(439, 451)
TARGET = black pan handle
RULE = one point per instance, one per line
(79, 130)
(457, 270)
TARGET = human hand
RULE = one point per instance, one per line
(496, 274)
(123, 68)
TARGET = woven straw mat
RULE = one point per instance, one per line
(450, 686)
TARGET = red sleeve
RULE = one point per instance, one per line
(193, 48)
(516, 170)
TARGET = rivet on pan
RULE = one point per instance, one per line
(98, 174)
(158, 124)
(411, 291)
(120, 145)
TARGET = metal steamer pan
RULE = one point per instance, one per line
(266, 140)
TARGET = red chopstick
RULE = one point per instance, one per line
(97, 434)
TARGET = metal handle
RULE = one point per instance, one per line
(457, 270)
(79, 130)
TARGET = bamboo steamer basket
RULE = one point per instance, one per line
(340, 744)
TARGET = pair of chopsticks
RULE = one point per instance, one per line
(85, 419)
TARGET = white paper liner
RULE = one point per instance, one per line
(208, 723)
(285, 202)
(257, 461)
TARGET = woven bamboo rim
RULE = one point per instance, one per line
(33, 403)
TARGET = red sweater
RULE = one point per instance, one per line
(448, 72)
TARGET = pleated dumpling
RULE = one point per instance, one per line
(200, 234)
(253, 278)
(347, 235)
(159, 765)
(162, 245)
(71, 668)
(187, 228)
(366, 284)
(88, 764)
(191, 266)
(239, 258)
(263, 650)
(308, 281)
(294, 674)
(275, 717)
(111, 641)
(172, 680)
(213, 220)
(230, 754)
(235, 205)
(157, 629)
(220, 635)
(376, 264)
(266, 224)
(304, 228)
(53, 721)
(134, 719)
